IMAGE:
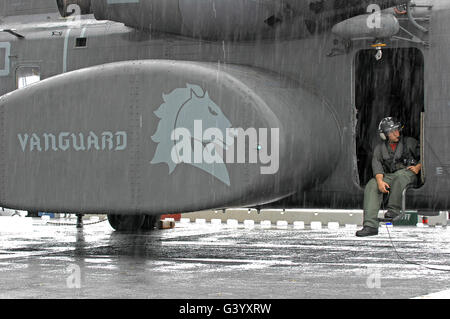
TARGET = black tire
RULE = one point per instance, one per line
(150, 222)
(32, 213)
(126, 222)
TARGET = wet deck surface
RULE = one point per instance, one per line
(217, 261)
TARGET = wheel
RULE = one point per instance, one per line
(126, 222)
(33, 213)
(150, 222)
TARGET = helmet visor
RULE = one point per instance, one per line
(392, 128)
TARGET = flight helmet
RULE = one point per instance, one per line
(387, 125)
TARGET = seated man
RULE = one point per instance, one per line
(395, 165)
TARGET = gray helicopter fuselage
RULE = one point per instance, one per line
(306, 84)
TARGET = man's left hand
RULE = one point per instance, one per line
(415, 169)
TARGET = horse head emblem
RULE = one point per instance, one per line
(190, 112)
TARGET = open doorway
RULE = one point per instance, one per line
(393, 86)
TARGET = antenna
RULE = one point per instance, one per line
(13, 32)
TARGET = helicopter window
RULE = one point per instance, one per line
(393, 86)
(4, 58)
(81, 42)
(27, 75)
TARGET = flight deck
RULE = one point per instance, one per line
(43, 258)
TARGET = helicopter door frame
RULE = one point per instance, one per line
(387, 103)
(422, 147)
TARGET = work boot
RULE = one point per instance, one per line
(367, 231)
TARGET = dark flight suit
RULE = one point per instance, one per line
(391, 164)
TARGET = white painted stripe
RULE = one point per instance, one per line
(333, 225)
(66, 45)
(445, 294)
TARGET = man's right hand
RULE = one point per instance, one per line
(382, 185)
